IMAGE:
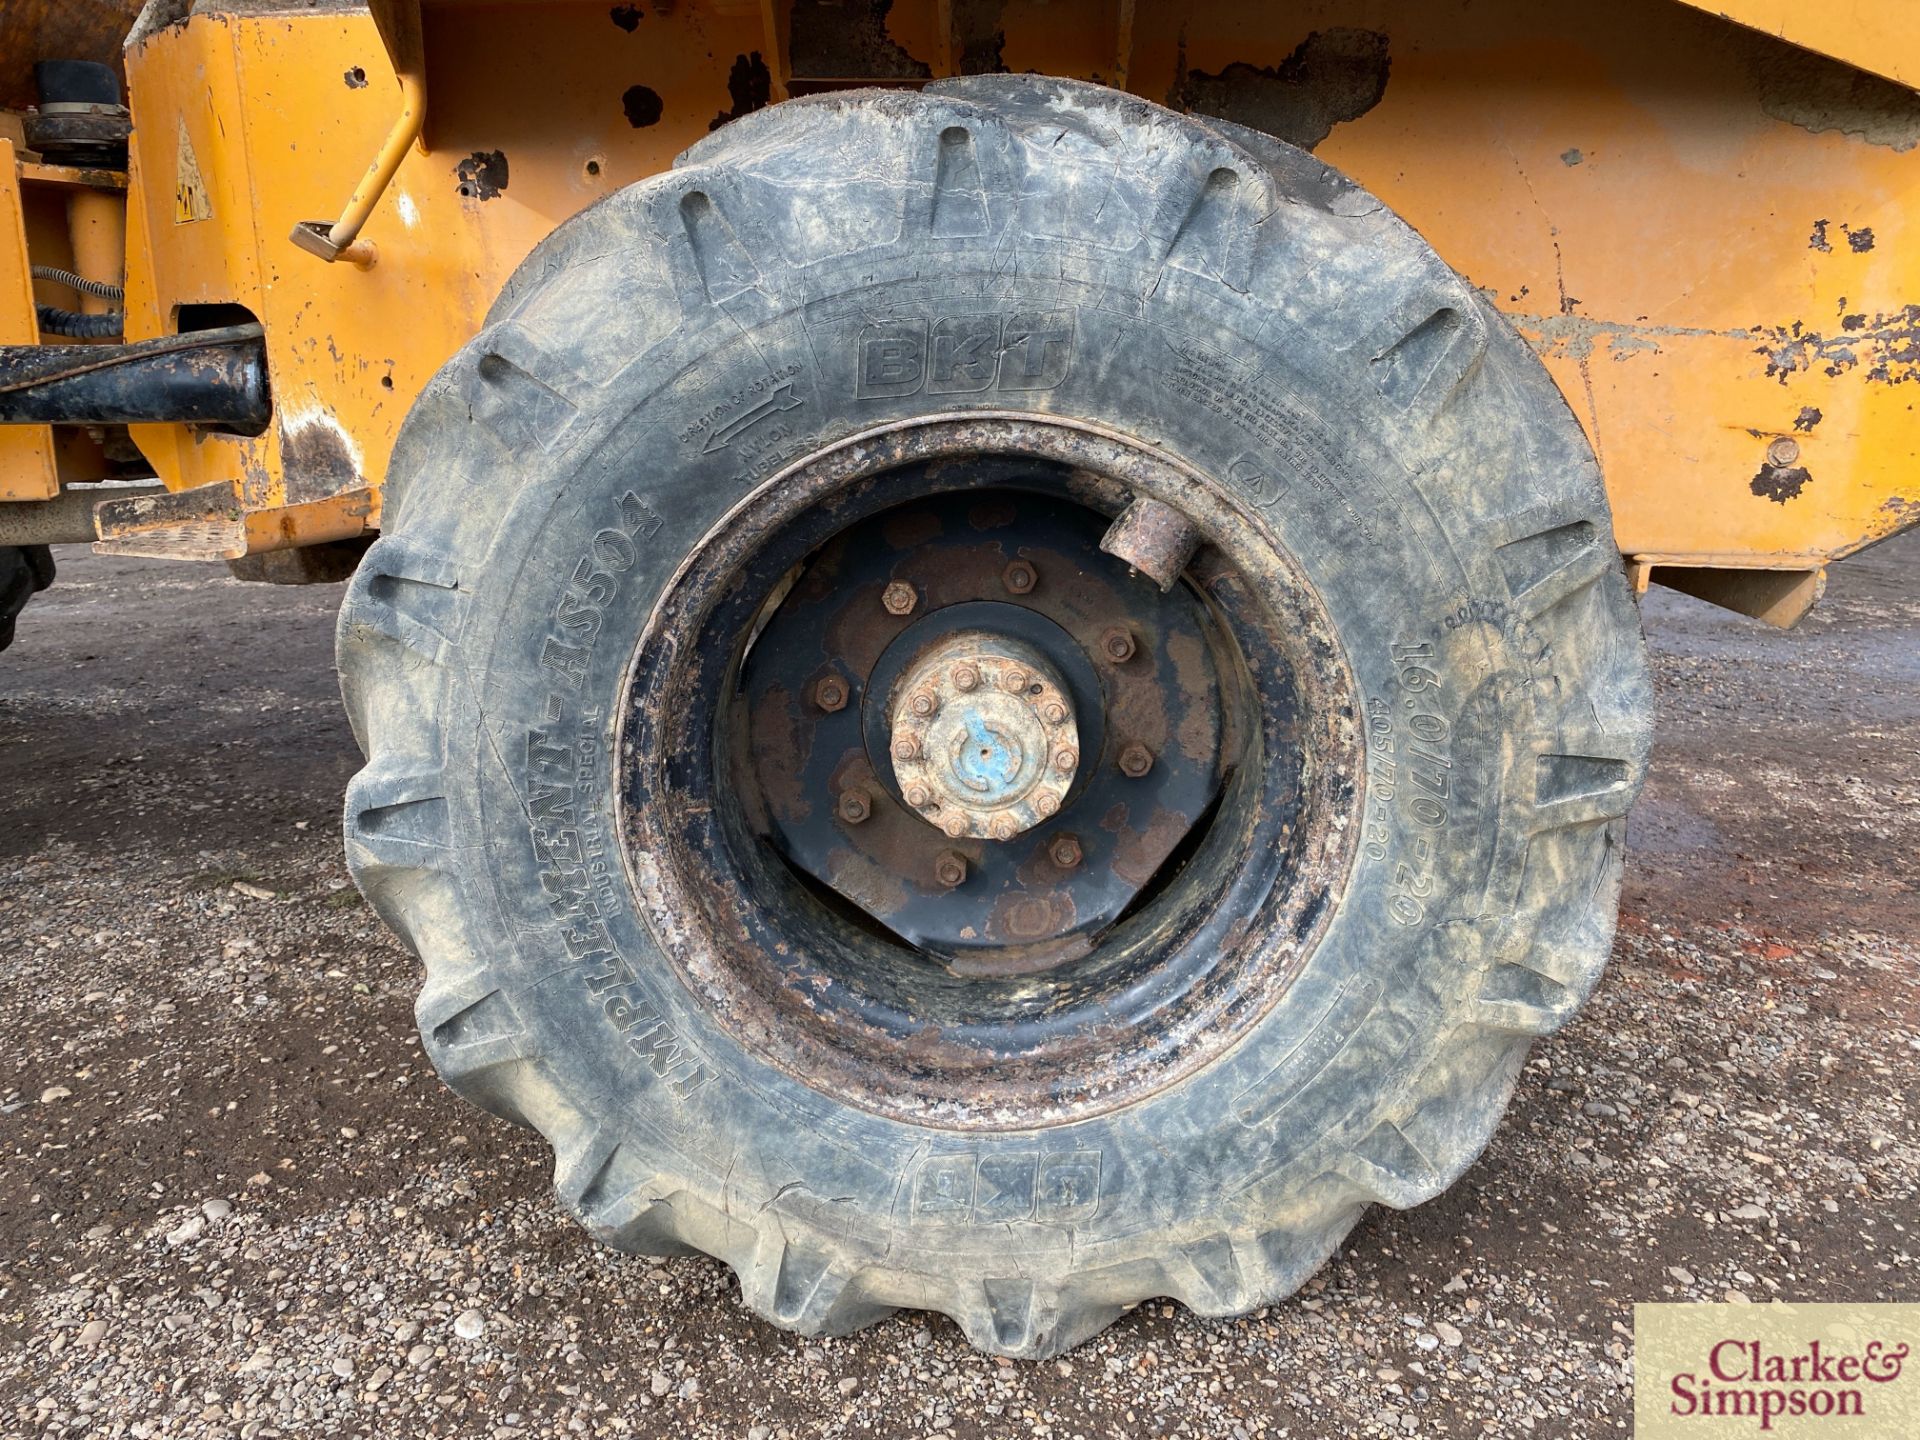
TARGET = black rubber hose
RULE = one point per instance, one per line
(75, 326)
(100, 289)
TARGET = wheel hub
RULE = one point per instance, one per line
(993, 984)
(979, 729)
(984, 738)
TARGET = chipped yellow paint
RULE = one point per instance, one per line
(190, 201)
(1703, 230)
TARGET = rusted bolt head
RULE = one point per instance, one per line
(1065, 759)
(954, 825)
(831, 693)
(1135, 761)
(1117, 642)
(1054, 712)
(1784, 451)
(899, 597)
(1046, 803)
(1019, 578)
(854, 806)
(1015, 680)
(1003, 828)
(905, 747)
(966, 678)
(926, 704)
(919, 796)
(1064, 851)
(950, 868)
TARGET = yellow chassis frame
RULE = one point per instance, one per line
(1700, 225)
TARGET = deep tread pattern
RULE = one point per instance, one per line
(1194, 208)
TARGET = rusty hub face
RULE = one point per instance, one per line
(1150, 791)
(984, 724)
(983, 736)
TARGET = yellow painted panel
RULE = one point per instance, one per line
(1715, 260)
(26, 451)
(1704, 278)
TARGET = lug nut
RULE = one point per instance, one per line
(1019, 577)
(925, 705)
(899, 597)
(1046, 803)
(918, 796)
(854, 806)
(1065, 759)
(966, 677)
(1015, 681)
(954, 825)
(1118, 643)
(831, 693)
(950, 868)
(1135, 761)
(906, 748)
(1003, 828)
(1065, 852)
(1054, 712)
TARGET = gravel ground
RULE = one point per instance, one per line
(235, 1201)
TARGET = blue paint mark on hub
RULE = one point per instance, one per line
(985, 760)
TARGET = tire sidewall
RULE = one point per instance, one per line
(1197, 371)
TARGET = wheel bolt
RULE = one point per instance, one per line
(955, 825)
(918, 796)
(950, 868)
(1118, 643)
(1054, 712)
(854, 806)
(1003, 828)
(1135, 761)
(1019, 577)
(925, 705)
(1046, 803)
(906, 748)
(1065, 759)
(966, 677)
(1065, 852)
(831, 693)
(899, 598)
(1015, 681)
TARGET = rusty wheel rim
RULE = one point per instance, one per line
(831, 997)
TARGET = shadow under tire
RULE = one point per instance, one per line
(817, 310)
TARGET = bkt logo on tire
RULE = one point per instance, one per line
(959, 354)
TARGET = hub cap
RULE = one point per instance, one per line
(984, 739)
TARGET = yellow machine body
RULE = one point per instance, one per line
(1699, 220)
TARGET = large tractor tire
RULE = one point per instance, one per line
(997, 701)
(25, 570)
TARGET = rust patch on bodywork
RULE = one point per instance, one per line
(1780, 483)
(482, 175)
(1887, 344)
(849, 40)
(642, 105)
(1332, 76)
(749, 86)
